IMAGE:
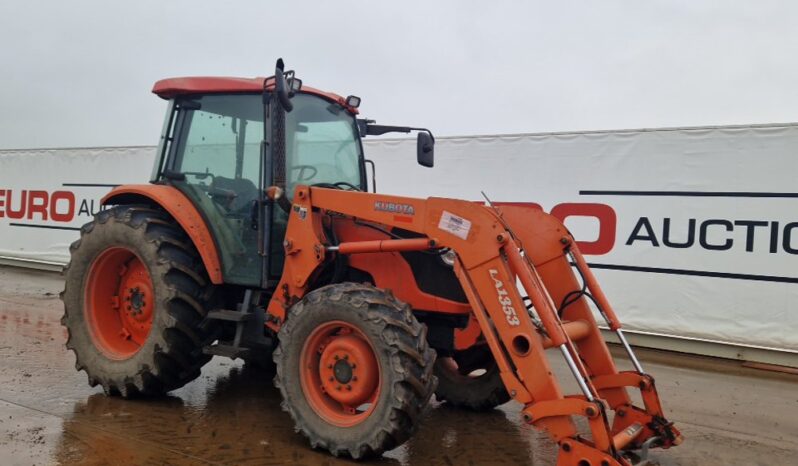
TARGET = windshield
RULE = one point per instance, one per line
(322, 144)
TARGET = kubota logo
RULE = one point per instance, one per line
(394, 208)
(504, 299)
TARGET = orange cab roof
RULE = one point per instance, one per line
(172, 87)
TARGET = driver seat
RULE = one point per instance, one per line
(245, 190)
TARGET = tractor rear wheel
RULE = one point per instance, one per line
(470, 379)
(354, 369)
(135, 299)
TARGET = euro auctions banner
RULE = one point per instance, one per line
(692, 232)
(47, 194)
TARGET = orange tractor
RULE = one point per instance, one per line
(257, 238)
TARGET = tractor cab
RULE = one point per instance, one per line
(216, 149)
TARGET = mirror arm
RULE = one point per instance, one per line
(378, 130)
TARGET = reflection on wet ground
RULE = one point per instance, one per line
(240, 422)
(232, 415)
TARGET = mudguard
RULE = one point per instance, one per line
(182, 210)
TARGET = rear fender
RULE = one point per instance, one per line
(182, 210)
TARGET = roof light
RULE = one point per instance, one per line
(353, 101)
(296, 84)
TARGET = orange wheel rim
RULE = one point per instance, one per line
(339, 374)
(119, 303)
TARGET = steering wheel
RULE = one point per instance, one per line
(302, 168)
(345, 184)
(338, 185)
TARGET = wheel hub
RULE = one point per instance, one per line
(136, 287)
(136, 299)
(119, 302)
(348, 370)
(343, 371)
(341, 375)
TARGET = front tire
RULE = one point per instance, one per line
(135, 299)
(354, 369)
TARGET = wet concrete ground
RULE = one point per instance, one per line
(231, 415)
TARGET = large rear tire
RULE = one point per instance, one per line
(354, 369)
(470, 379)
(135, 299)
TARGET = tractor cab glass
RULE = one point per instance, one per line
(322, 144)
(215, 159)
(217, 155)
(322, 147)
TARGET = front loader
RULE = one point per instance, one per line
(258, 239)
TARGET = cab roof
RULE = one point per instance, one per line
(173, 87)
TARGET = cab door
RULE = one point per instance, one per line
(215, 160)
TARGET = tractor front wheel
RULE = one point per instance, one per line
(354, 369)
(135, 299)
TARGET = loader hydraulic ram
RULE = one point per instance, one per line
(495, 247)
(257, 239)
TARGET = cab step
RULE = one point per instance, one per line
(232, 316)
(228, 351)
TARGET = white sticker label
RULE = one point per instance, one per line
(458, 226)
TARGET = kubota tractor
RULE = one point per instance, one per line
(257, 238)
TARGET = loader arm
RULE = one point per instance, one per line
(495, 250)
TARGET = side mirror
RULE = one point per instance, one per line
(425, 149)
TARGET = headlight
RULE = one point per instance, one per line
(449, 257)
